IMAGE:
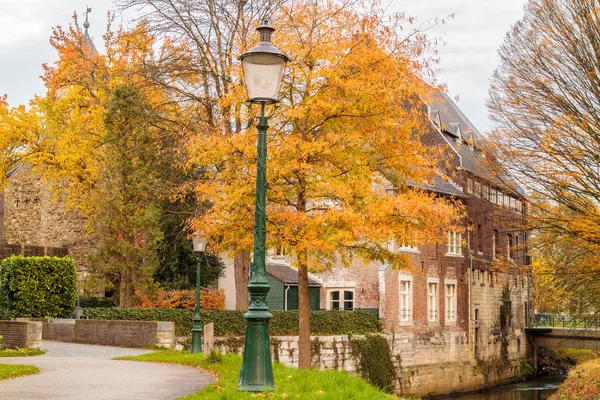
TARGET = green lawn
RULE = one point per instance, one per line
(21, 352)
(8, 371)
(291, 383)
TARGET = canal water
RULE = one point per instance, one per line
(539, 389)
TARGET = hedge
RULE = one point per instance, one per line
(98, 302)
(232, 323)
(38, 286)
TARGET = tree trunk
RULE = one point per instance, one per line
(126, 291)
(304, 356)
(241, 268)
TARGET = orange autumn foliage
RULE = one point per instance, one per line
(209, 299)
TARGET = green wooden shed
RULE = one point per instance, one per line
(283, 295)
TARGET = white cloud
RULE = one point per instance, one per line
(467, 60)
(472, 39)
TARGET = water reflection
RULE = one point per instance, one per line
(539, 389)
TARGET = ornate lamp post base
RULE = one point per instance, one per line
(256, 374)
(196, 346)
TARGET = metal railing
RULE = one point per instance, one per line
(566, 321)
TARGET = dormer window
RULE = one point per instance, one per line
(484, 192)
(477, 191)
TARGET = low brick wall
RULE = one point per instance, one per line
(109, 333)
(21, 334)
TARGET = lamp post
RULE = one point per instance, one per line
(79, 310)
(263, 66)
(199, 243)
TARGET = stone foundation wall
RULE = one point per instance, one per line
(21, 334)
(109, 333)
(425, 363)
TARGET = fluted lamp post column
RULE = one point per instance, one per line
(79, 309)
(199, 242)
(263, 66)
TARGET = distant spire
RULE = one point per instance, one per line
(86, 24)
(86, 35)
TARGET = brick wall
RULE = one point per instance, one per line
(34, 217)
(21, 334)
(362, 278)
(109, 333)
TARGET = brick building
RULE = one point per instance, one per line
(447, 308)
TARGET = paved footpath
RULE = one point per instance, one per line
(86, 372)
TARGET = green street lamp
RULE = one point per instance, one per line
(84, 275)
(263, 66)
(199, 243)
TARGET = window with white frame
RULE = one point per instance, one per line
(408, 247)
(341, 299)
(493, 195)
(450, 301)
(510, 247)
(405, 299)
(484, 192)
(495, 247)
(469, 185)
(477, 190)
(500, 198)
(454, 243)
(470, 236)
(432, 301)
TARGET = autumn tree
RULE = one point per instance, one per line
(104, 137)
(348, 129)
(206, 76)
(545, 97)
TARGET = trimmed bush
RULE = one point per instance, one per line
(38, 286)
(232, 323)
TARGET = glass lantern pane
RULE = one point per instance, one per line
(263, 75)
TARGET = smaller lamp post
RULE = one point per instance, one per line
(199, 242)
(79, 310)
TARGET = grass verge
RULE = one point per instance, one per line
(583, 383)
(21, 352)
(576, 356)
(291, 383)
(8, 371)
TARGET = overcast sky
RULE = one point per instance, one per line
(467, 60)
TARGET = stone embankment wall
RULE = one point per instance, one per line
(109, 333)
(20, 334)
(425, 364)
